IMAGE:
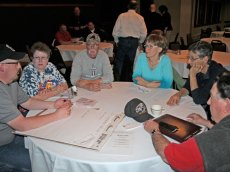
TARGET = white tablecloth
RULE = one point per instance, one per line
(68, 52)
(215, 34)
(48, 156)
(179, 62)
(222, 39)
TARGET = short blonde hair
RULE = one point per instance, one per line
(158, 40)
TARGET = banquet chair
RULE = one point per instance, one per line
(175, 45)
(217, 45)
(63, 67)
(178, 81)
(30, 55)
(182, 44)
(226, 34)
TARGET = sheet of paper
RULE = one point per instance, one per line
(88, 128)
(119, 143)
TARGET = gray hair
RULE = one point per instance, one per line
(202, 49)
(40, 46)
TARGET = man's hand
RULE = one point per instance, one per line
(151, 125)
(93, 87)
(174, 99)
(76, 28)
(197, 119)
(61, 102)
(106, 86)
(63, 112)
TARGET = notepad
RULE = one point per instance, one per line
(185, 129)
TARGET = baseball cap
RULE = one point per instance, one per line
(7, 52)
(137, 110)
(93, 38)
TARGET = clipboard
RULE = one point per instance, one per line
(184, 131)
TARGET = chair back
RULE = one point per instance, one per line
(30, 55)
(226, 34)
(205, 33)
(217, 45)
(182, 44)
(178, 80)
(175, 45)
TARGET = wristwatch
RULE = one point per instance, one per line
(155, 130)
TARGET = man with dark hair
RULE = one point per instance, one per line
(129, 31)
(13, 155)
(77, 23)
(202, 74)
(153, 19)
(207, 151)
(166, 21)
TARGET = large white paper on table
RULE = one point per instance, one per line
(89, 128)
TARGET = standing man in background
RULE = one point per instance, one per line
(153, 19)
(166, 21)
(77, 23)
(129, 31)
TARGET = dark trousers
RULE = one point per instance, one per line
(14, 157)
(124, 60)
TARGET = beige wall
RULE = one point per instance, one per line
(182, 13)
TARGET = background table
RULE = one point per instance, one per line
(222, 39)
(179, 61)
(215, 34)
(68, 52)
(52, 156)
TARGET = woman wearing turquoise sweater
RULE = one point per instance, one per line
(153, 68)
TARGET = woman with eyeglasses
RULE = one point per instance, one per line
(41, 78)
(153, 68)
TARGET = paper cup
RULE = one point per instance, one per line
(156, 110)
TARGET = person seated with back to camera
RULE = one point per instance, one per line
(62, 36)
(91, 68)
(153, 68)
(13, 154)
(207, 151)
(40, 78)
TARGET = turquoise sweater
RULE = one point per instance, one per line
(162, 72)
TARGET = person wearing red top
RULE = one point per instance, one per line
(63, 36)
(206, 151)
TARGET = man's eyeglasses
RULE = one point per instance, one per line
(41, 58)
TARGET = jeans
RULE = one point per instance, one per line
(124, 60)
(14, 157)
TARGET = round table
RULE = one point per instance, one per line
(140, 155)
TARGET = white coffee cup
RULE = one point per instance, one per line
(156, 110)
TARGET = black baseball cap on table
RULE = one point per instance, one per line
(137, 110)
